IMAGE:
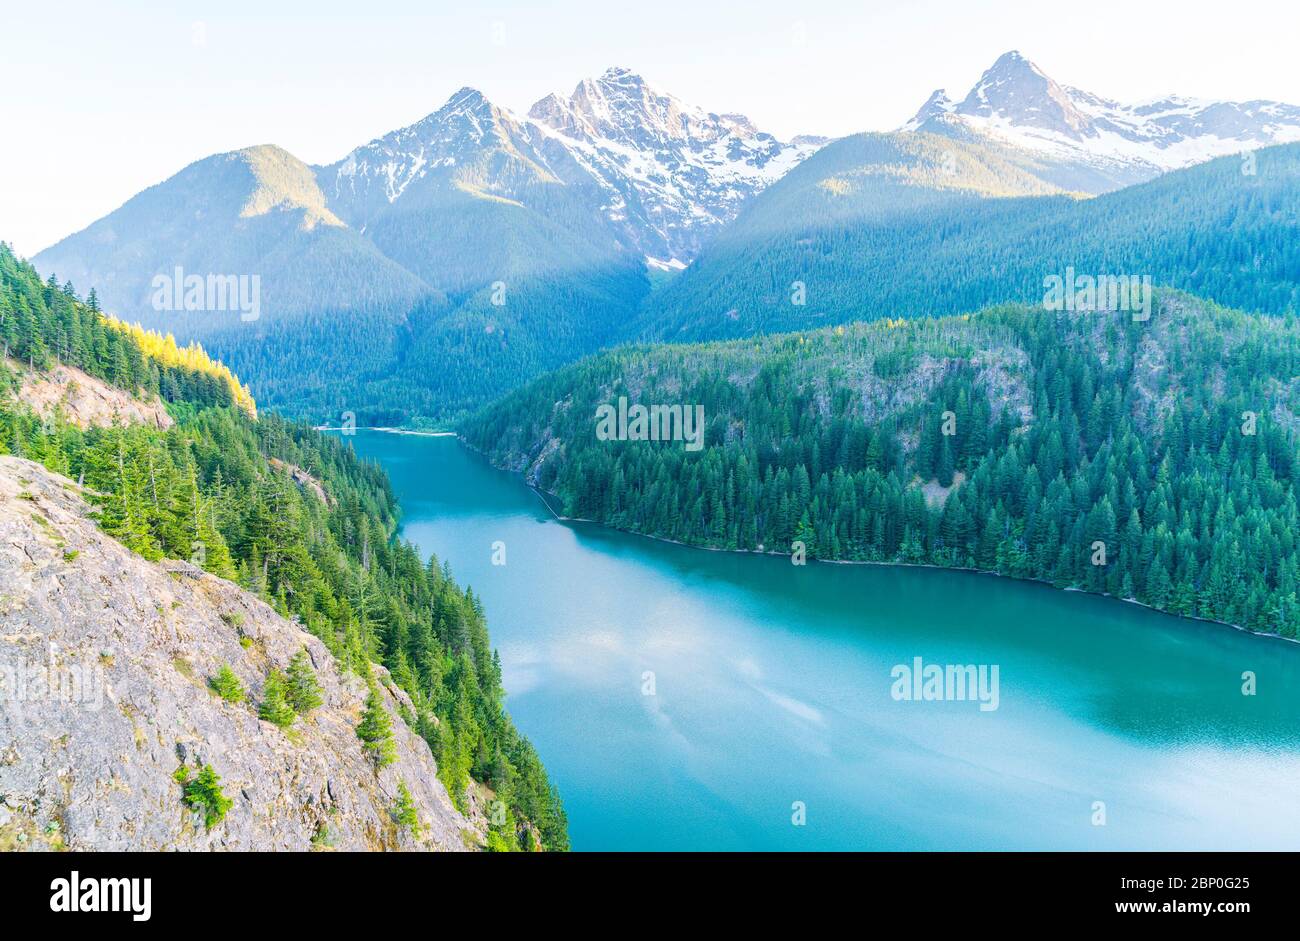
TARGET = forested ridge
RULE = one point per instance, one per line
(429, 314)
(213, 489)
(45, 324)
(323, 363)
(897, 225)
(1154, 461)
(873, 226)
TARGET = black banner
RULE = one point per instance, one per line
(150, 891)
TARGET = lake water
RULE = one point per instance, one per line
(686, 699)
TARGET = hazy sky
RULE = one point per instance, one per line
(101, 99)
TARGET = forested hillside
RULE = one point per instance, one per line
(290, 515)
(490, 268)
(1154, 461)
(443, 356)
(902, 226)
(41, 324)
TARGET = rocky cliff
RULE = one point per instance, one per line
(84, 400)
(104, 662)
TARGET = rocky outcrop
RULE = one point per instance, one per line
(303, 479)
(104, 662)
(85, 400)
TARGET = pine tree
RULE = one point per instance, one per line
(376, 730)
(204, 794)
(404, 811)
(226, 685)
(275, 707)
(303, 692)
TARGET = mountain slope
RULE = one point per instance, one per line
(538, 228)
(256, 211)
(866, 238)
(671, 173)
(464, 197)
(533, 274)
(94, 770)
(1103, 144)
(323, 299)
(1153, 460)
(286, 515)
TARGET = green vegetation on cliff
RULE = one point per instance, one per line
(290, 515)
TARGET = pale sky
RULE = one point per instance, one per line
(100, 100)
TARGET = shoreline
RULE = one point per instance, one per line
(389, 430)
(546, 497)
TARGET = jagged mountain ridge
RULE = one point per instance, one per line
(659, 176)
(1018, 104)
(468, 170)
(673, 173)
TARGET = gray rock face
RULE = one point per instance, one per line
(104, 660)
(1015, 89)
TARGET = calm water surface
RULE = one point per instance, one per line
(772, 686)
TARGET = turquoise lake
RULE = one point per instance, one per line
(687, 699)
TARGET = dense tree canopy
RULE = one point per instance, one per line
(1154, 461)
(872, 227)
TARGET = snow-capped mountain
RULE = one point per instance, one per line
(672, 173)
(661, 175)
(469, 145)
(1017, 103)
(470, 191)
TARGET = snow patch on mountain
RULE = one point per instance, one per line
(663, 174)
(1016, 103)
(672, 172)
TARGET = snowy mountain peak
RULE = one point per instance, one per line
(672, 171)
(433, 148)
(620, 105)
(1016, 90)
(467, 99)
(1114, 144)
(937, 104)
(1012, 63)
(616, 76)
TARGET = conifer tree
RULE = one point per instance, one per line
(275, 707)
(226, 685)
(303, 691)
(376, 730)
(405, 814)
